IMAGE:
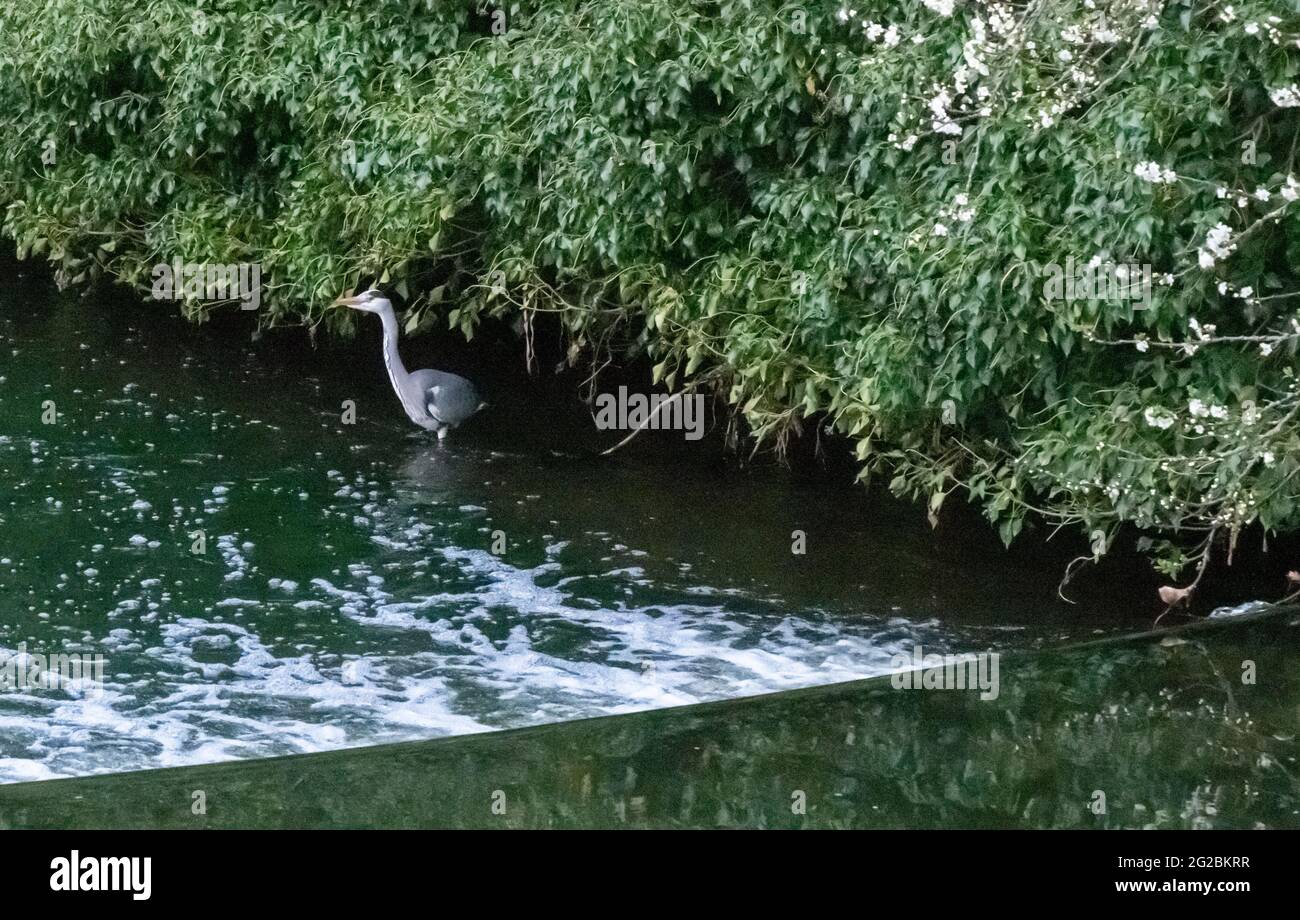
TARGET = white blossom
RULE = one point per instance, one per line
(942, 122)
(1150, 171)
(1158, 418)
(970, 50)
(1285, 97)
(1218, 245)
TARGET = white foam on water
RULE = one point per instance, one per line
(417, 638)
(17, 770)
(475, 659)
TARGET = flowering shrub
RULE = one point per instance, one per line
(838, 209)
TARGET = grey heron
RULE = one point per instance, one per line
(434, 400)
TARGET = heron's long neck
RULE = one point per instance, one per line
(392, 360)
(407, 392)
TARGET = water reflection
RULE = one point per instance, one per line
(1067, 725)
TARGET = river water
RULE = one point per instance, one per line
(264, 579)
(1147, 731)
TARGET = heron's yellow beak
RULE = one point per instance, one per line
(347, 302)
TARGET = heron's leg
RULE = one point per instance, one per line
(442, 432)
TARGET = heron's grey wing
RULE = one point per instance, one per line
(450, 399)
(427, 383)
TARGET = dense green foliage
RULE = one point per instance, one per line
(852, 213)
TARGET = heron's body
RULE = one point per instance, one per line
(434, 400)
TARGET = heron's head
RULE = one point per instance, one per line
(371, 301)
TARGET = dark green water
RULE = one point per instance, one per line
(349, 594)
(1161, 727)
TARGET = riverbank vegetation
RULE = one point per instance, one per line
(1039, 253)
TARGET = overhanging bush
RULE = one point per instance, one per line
(930, 220)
